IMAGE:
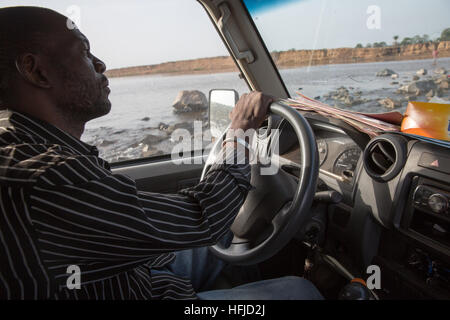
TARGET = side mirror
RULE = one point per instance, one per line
(221, 102)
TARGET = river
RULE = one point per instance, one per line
(140, 104)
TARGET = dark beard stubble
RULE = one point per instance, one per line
(83, 98)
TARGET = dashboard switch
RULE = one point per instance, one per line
(438, 203)
(435, 162)
(433, 199)
(331, 196)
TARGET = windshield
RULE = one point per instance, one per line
(369, 56)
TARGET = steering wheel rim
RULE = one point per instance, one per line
(293, 214)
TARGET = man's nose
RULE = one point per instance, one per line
(100, 66)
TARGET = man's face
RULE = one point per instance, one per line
(79, 85)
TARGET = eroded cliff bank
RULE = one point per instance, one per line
(291, 59)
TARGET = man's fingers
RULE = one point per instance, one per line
(251, 110)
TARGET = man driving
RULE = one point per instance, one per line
(61, 206)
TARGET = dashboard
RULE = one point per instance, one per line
(338, 155)
(339, 159)
(395, 210)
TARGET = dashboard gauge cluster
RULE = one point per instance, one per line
(346, 162)
(338, 155)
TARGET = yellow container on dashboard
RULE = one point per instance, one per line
(426, 119)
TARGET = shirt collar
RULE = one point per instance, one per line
(46, 132)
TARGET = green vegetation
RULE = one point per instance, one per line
(395, 40)
(379, 44)
(406, 41)
(417, 39)
(445, 35)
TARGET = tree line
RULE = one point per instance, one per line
(445, 36)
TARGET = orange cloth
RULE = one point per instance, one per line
(426, 119)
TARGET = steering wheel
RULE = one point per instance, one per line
(278, 205)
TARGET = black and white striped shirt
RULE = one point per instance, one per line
(60, 205)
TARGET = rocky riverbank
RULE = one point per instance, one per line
(423, 86)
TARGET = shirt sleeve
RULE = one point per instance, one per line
(107, 218)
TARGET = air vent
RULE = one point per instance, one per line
(385, 156)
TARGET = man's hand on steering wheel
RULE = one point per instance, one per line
(250, 111)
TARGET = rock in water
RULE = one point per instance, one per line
(394, 76)
(152, 139)
(442, 82)
(415, 78)
(189, 126)
(151, 152)
(422, 72)
(440, 71)
(418, 87)
(342, 92)
(444, 85)
(106, 143)
(190, 100)
(163, 126)
(386, 73)
(349, 101)
(390, 103)
(430, 94)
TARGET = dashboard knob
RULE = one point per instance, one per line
(438, 203)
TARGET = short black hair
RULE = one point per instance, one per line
(22, 29)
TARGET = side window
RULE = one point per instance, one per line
(162, 58)
(162, 65)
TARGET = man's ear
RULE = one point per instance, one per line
(31, 69)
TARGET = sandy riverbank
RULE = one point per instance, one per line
(291, 59)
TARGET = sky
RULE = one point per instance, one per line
(141, 32)
(318, 24)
